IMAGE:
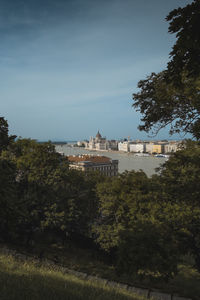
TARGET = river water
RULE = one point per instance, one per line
(127, 161)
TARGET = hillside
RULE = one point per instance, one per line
(33, 281)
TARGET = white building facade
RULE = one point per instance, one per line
(100, 143)
(137, 148)
(149, 148)
(97, 143)
(171, 147)
(123, 146)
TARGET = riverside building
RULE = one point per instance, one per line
(124, 146)
(172, 147)
(97, 143)
(137, 148)
(104, 165)
(100, 143)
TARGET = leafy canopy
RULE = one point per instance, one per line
(172, 97)
(5, 139)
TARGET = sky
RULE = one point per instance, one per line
(68, 68)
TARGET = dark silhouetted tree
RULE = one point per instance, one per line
(172, 97)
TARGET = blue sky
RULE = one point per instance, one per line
(69, 67)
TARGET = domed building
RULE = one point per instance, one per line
(98, 143)
(98, 136)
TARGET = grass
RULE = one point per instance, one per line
(186, 283)
(31, 281)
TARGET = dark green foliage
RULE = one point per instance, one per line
(180, 175)
(172, 97)
(130, 226)
(5, 139)
(148, 224)
(162, 104)
(180, 182)
(75, 207)
(185, 54)
(39, 174)
(52, 197)
(145, 225)
(148, 249)
(119, 199)
(8, 199)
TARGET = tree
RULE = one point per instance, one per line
(5, 139)
(148, 248)
(54, 198)
(118, 201)
(40, 171)
(185, 54)
(74, 208)
(131, 226)
(9, 202)
(179, 181)
(172, 97)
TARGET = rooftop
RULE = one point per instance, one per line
(98, 135)
(89, 158)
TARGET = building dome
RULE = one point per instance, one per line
(98, 135)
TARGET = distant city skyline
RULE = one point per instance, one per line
(69, 67)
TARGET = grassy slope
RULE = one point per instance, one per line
(186, 283)
(28, 281)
